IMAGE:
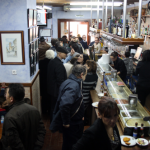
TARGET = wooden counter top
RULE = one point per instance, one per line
(95, 98)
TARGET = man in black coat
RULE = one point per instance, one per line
(71, 107)
(23, 128)
(56, 74)
(84, 42)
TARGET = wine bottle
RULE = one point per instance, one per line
(142, 131)
(135, 131)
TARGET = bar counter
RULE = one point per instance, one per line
(120, 124)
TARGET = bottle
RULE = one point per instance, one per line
(145, 31)
(101, 90)
(135, 131)
(142, 131)
(128, 84)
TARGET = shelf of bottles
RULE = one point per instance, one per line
(130, 113)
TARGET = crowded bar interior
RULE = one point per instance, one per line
(75, 76)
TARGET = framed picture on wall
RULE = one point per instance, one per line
(33, 32)
(37, 31)
(30, 35)
(31, 47)
(30, 17)
(35, 17)
(31, 65)
(12, 48)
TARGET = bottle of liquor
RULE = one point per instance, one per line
(142, 131)
(135, 131)
(128, 84)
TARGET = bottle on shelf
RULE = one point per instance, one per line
(135, 131)
(145, 31)
(128, 84)
(142, 131)
(101, 89)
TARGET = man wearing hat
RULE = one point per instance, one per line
(56, 74)
(43, 47)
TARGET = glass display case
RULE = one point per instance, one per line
(117, 89)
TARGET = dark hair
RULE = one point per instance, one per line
(27, 100)
(80, 39)
(57, 44)
(77, 55)
(127, 54)
(64, 37)
(106, 105)
(60, 39)
(78, 69)
(2, 100)
(146, 56)
(53, 41)
(85, 58)
(114, 54)
(70, 43)
(73, 60)
(17, 91)
(92, 66)
(75, 47)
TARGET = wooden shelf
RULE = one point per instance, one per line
(143, 18)
(145, 35)
(124, 41)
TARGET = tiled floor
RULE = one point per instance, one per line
(53, 141)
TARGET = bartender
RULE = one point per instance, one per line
(97, 45)
(143, 72)
(119, 65)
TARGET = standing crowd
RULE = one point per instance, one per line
(66, 77)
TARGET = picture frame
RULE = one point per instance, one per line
(45, 32)
(30, 35)
(30, 17)
(33, 32)
(31, 47)
(12, 48)
(36, 44)
(32, 66)
(34, 17)
(37, 31)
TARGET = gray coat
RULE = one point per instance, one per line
(129, 65)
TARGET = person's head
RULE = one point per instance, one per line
(108, 111)
(127, 54)
(84, 37)
(91, 64)
(73, 60)
(61, 52)
(64, 37)
(70, 44)
(146, 56)
(79, 71)
(78, 35)
(49, 54)
(73, 38)
(15, 92)
(42, 39)
(80, 39)
(53, 41)
(61, 41)
(27, 100)
(96, 40)
(82, 59)
(75, 47)
(3, 102)
(114, 56)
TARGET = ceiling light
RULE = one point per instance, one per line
(43, 7)
(96, 3)
(81, 9)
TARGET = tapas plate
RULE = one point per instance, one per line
(142, 142)
(95, 104)
(131, 141)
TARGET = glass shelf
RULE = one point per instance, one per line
(128, 115)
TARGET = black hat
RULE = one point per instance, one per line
(62, 49)
(42, 39)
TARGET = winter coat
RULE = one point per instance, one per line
(23, 128)
(129, 65)
(56, 75)
(96, 138)
(84, 44)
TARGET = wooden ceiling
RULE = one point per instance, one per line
(63, 2)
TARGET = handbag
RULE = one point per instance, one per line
(57, 123)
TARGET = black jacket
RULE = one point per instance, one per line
(120, 66)
(95, 138)
(56, 75)
(43, 64)
(84, 44)
(143, 70)
(23, 128)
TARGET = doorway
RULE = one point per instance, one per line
(71, 27)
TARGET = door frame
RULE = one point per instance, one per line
(73, 20)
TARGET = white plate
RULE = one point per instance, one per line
(95, 104)
(145, 141)
(132, 140)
